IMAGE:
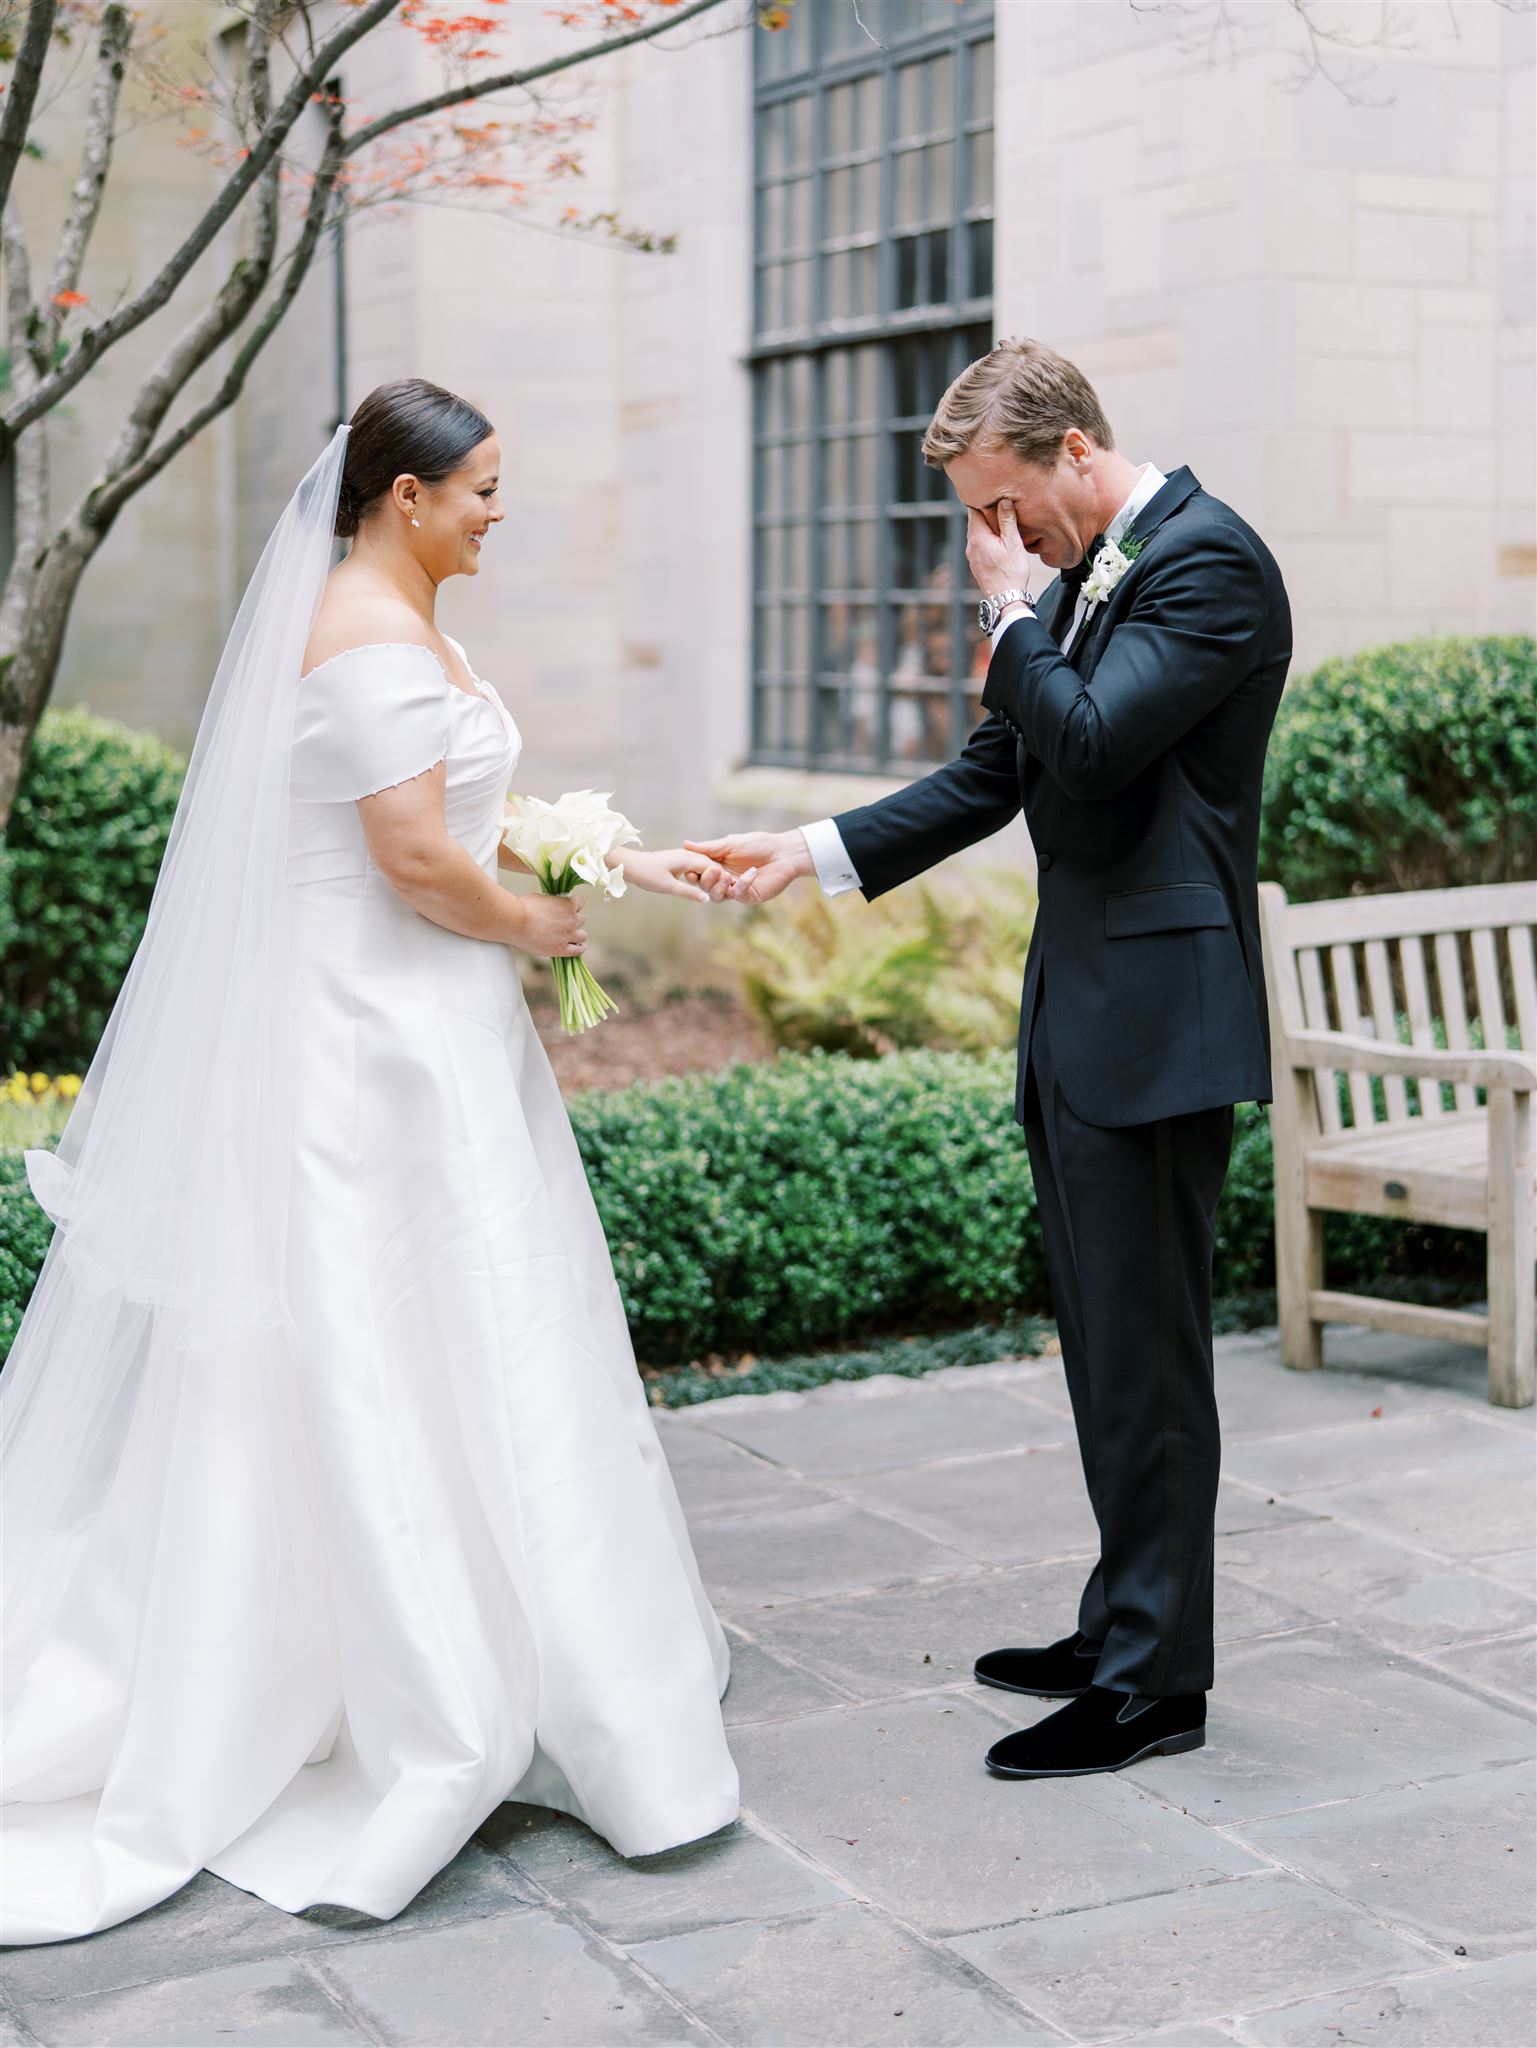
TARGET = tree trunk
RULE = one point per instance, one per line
(39, 595)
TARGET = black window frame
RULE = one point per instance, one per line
(801, 711)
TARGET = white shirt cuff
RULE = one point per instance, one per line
(830, 857)
(1006, 619)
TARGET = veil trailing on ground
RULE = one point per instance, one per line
(169, 1186)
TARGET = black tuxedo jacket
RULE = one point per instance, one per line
(1138, 762)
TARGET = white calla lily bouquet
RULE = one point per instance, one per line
(566, 843)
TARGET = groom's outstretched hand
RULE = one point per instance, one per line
(761, 864)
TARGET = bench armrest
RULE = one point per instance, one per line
(1341, 1049)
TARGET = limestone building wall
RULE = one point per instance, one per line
(1325, 308)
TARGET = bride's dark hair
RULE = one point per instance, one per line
(407, 427)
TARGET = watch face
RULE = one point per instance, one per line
(985, 615)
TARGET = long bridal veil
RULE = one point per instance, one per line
(161, 1307)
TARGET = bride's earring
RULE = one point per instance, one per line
(414, 520)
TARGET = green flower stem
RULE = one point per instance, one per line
(583, 1001)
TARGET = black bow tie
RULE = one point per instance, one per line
(1073, 579)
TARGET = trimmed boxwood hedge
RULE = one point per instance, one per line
(1406, 766)
(819, 1198)
(812, 1199)
(78, 862)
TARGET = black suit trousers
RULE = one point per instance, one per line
(1127, 1219)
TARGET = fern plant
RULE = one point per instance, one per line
(924, 965)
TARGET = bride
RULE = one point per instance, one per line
(333, 1510)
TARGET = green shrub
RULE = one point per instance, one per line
(813, 1199)
(921, 966)
(822, 1199)
(24, 1234)
(1408, 766)
(78, 863)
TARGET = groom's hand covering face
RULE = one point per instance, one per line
(997, 560)
(1052, 506)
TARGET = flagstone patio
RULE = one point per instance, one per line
(1349, 1859)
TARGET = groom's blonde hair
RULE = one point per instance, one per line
(1020, 395)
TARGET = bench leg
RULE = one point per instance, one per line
(1299, 1245)
(1512, 1227)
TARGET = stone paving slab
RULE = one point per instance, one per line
(1459, 1510)
(1301, 1719)
(220, 1924)
(1371, 1451)
(1452, 1862)
(847, 1976)
(278, 2001)
(1403, 1599)
(875, 1644)
(1461, 1370)
(535, 1977)
(1195, 1955)
(1343, 1832)
(736, 1874)
(768, 1688)
(872, 1425)
(753, 1561)
(893, 1798)
(1001, 1509)
(1507, 1666)
(716, 1477)
(1480, 2005)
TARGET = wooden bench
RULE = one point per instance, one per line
(1346, 980)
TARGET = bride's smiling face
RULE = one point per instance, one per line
(459, 512)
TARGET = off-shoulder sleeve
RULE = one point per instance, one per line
(367, 719)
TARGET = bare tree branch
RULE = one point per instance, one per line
(106, 498)
(22, 97)
(95, 341)
(96, 158)
(225, 311)
(507, 81)
(20, 313)
(129, 468)
(30, 461)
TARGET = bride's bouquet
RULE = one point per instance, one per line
(565, 844)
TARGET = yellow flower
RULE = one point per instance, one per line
(69, 1084)
(39, 1083)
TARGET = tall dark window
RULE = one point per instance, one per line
(874, 279)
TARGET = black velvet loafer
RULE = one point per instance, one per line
(1061, 1671)
(1102, 1731)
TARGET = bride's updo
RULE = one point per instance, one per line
(407, 427)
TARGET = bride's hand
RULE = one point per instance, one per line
(554, 926)
(673, 871)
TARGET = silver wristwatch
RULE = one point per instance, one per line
(991, 609)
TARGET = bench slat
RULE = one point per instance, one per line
(1455, 1141)
(1417, 912)
(1523, 977)
(1379, 981)
(1315, 1009)
(1454, 1008)
(1403, 1318)
(1486, 979)
(1342, 969)
(1432, 1193)
(1411, 957)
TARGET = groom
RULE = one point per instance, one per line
(1128, 711)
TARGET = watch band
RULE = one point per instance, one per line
(991, 609)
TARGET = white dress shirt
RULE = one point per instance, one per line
(835, 871)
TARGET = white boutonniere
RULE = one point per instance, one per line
(1110, 565)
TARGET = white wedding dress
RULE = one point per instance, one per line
(439, 1562)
